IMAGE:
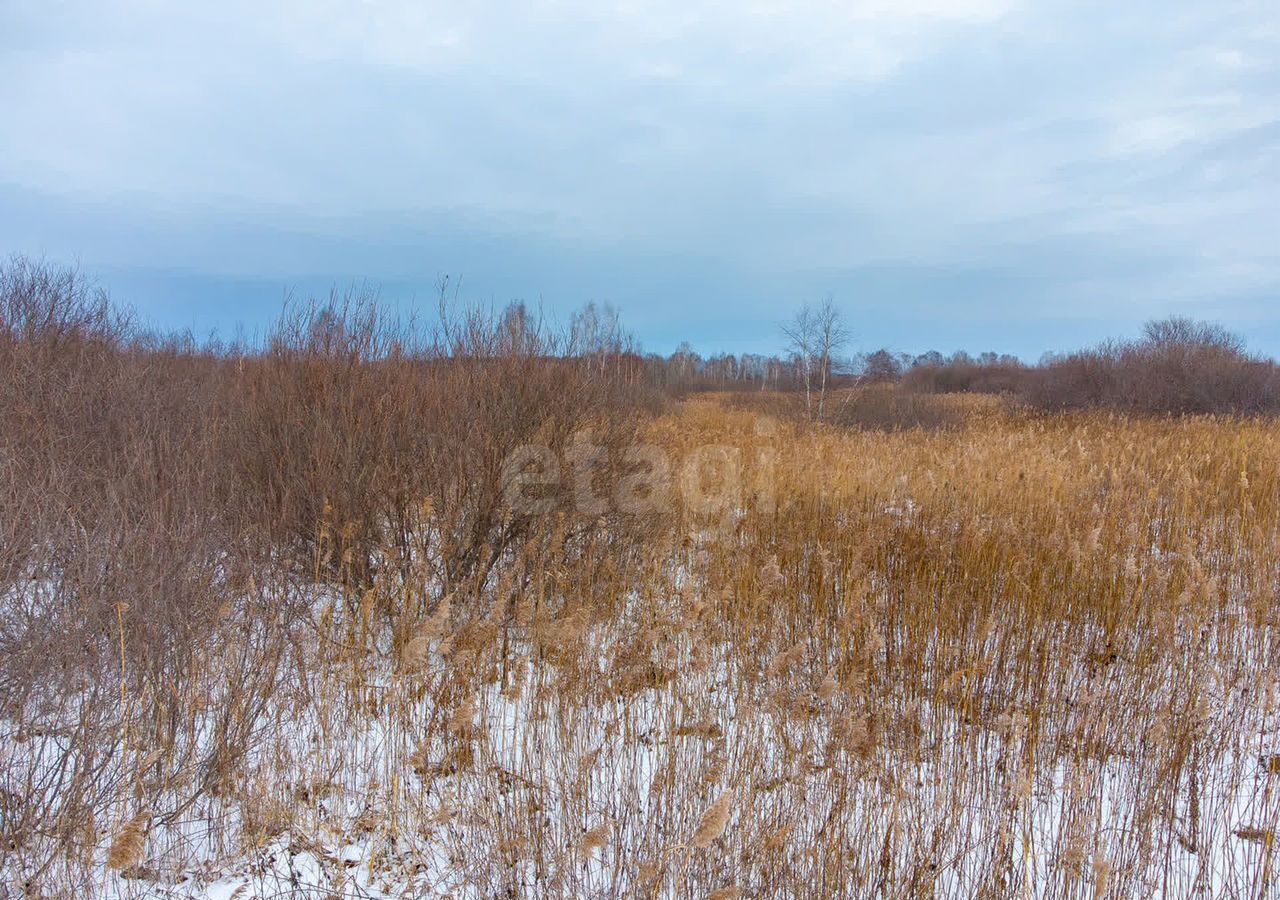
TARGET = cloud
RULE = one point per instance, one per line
(1111, 160)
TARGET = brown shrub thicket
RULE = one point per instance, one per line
(168, 510)
(966, 377)
(888, 407)
(1178, 367)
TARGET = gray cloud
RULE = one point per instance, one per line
(972, 172)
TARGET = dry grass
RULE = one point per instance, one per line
(874, 407)
(1024, 656)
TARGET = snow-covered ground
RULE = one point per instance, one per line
(366, 808)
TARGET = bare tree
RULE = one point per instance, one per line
(832, 336)
(814, 336)
(800, 343)
(882, 366)
(1181, 332)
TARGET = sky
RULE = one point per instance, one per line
(981, 174)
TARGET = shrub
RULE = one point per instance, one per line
(966, 377)
(888, 407)
(165, 505)
(1178, 367)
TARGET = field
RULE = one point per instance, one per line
(1029, 658)
(612, 648)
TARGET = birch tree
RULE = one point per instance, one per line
(814, 336)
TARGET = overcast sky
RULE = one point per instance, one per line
(986, 174)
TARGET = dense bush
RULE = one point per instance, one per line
(162, 502)
(888, 407)
(961, 376)
(1177, 367)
